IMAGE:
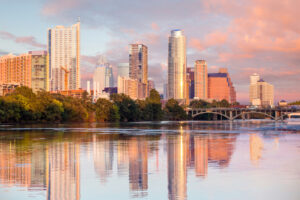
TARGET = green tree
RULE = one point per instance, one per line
(128, 108)
(174, 111)
(103, 109)
(114, 115)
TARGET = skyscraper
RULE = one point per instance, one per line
(177, 65)
(64, 57)
(39, 70)
(123, 70)
(138, 62)
(191, 77)
(138, 67)
(261, 93)
(103, 75)
(201, 80)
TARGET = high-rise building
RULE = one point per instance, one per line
(261, 93)
(138, 67)
(138, 62)
(123, 69)
(128, 86)
(151, 86)
(177, 65)
(103, 76)
(165, 94)
(39, 70)
(220, 86)
(201, 79)
(16, 69)
(190, 76)
(64, 57)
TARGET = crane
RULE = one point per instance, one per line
(66, 76)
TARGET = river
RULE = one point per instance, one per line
(151, 160)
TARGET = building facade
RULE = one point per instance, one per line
(64, 57)
(177, 65)
(261, 93)
(138, 67)
(128, 87)
(138, 62)
(103, 77)
(123, 70)
(39, 71)
(191, 77)
(201, 79)
(220, 86)
(16, 69)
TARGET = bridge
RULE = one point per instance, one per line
(243, 113)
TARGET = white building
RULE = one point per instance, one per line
(123, 70)
(64, 57)
(261, 93)
(103, 77)
(177, 65)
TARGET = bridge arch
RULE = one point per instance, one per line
(201, 113)
(253, 112)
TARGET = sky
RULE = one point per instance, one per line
(258, 36)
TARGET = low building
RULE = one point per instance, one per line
(128, 87)
(8, 88)
(73, 93)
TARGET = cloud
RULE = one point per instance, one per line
(245, 36)
(28, 40)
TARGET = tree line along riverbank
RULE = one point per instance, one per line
(25, 106)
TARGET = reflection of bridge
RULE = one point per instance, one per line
(243, 113)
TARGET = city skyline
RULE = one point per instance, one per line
(269, 49)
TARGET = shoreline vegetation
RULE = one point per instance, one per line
(24, 106)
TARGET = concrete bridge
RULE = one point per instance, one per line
(243, 113)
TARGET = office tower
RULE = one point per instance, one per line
(220, 86)
(103, 76)
(128, 87)
(165, 91)
(201, 80)
(123, 70)
(64, 57)
(16, 69)
(150, 86)
(177, 65)
(138, 67)
(138, 62)
(39, 70)
(261, 93)
(190, 75)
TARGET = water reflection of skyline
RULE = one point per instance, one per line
(53, 164)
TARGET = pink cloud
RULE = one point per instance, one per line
(154, 26)
(29, 40)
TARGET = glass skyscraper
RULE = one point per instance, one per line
(177, 65)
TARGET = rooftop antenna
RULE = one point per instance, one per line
(78, 19)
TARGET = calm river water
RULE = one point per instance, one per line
(163, 160)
